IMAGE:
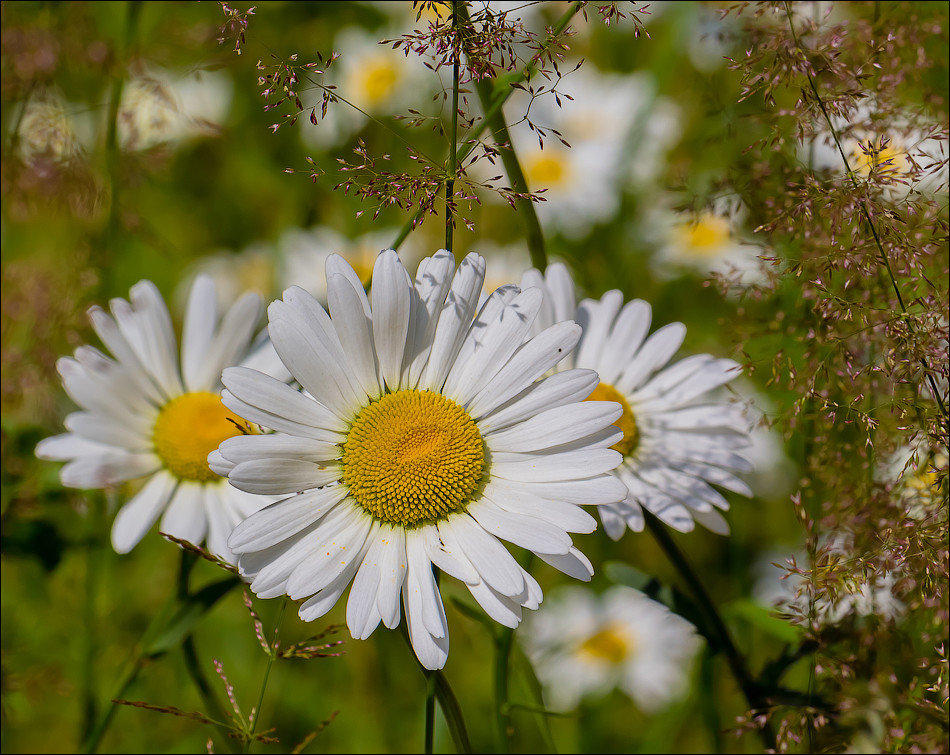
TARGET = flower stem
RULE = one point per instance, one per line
(502, 713)
(734, 658)
(928, 373)
(449, 704)
(430, 714)
(97, 506)
(256, 712)
(495, 106)
(457, 9)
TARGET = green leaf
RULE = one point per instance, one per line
(763, 618)
(186, 615)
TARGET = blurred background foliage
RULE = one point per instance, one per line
(193, 177)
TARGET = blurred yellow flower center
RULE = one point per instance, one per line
(611, 644)
(885, 161)
(626, 422)
(703, 237)
(362, 263)
(188, 429)
(543, 169)
(376, 80)
(413, 456)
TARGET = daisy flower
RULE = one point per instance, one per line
(147, 417)
(584, 645)
(677, 441)
(424, 436)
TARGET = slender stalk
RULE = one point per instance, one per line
(734, 658)
(502, 711)
(96, 525)
(867, 217)
(458, 12)
(445, 697)
(256, 712)
(430, 714)
(498, 100)
(91, 743)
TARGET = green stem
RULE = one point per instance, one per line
(449, 704)
(458, 12)
(734, 658)
(867, 216)
(430, 714)
(502, 711)
(270, 662)
(91, 743)
(97, 520)
(498, 100)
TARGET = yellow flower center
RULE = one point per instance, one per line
(189, 428)
(884, 161)
(626, 422)
(376, 80)
(704, 237)
(413, 456)
(612, 644)
(545, 169)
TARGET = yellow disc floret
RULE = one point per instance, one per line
(189, 428)
(704, 237)
(544, 169)
(612, 644)
(631, 436)
(376, 80)
(413, 456)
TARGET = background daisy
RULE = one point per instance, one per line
(677, 441)
(584, 645)
(148, 417)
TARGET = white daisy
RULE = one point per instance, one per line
(708, 241)
(618, 130)
(584, 645)
(677, 442)
(145, 419)
(159, 107)
(427, 435)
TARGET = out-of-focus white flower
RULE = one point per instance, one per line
(706, 241)
(584, 645)
(303, 255)
(618, 130)
(504, 264)
(235, 273)
(916, 476)
(773, 473)
(46, 132)
(148, 415)
(862, 596)
(159, 107)
(377, 79)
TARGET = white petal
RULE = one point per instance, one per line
(69, 446)
(282, 519)
(391, 303)
(568, 516)
(277, 403)
(392, 572)
(354, 329)
(185, 516)
(420, 588)
(455, 318)
(712, 521)
(710, 376)
(137, 516)
(657, 351)
(231, 342)
(448, 558)
(570, 465)
(201, 317)
(490, 558)
(501, 608)
(277, 476)
(594, 491)
(528, 363)
(574, 564)
(625, 337)
(326, 598)
(556, 426)
(433, 280)
(109, 431)
(108, 331)
(614, 522)
(520, 529)
(492, 344)
(102, 471)
(559, 389)
(337, 265)
(596, 317)
(362, 615)
(222, 519)
(243, 448)
(106, 391)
